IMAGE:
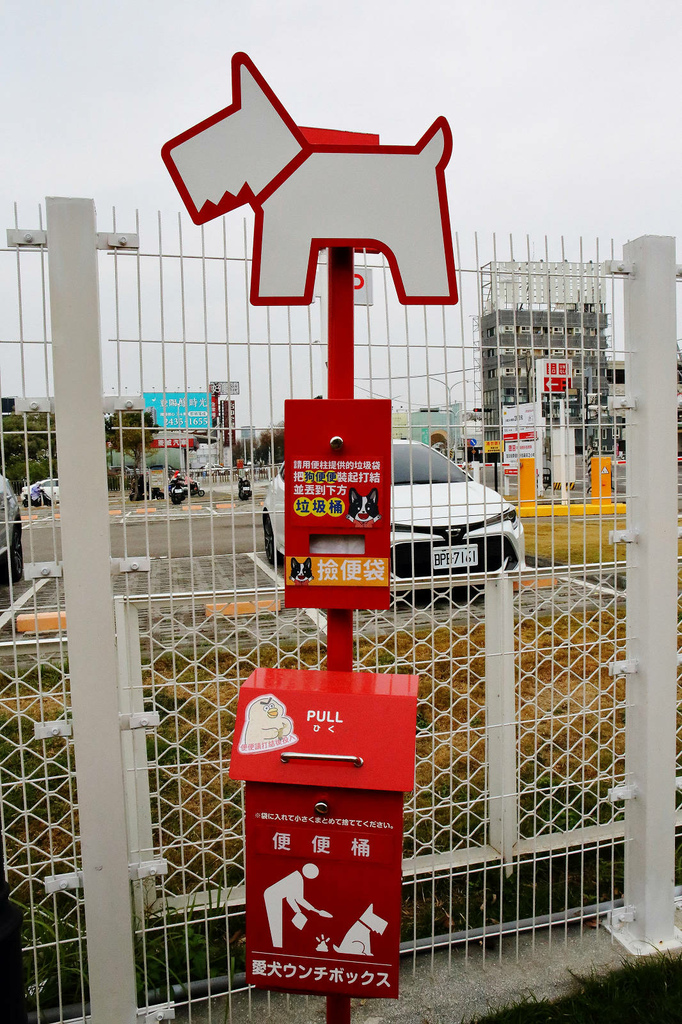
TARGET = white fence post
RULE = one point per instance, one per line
(134, 751)
(74, 306)
(500, 716)
(647, 922)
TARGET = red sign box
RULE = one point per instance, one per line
(323, 892)
(326, 713)
(323, 811)
(337, 503)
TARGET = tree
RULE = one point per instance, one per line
(29, 445)
(270, 445)
(130, 434)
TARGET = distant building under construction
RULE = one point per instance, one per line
(538, 310)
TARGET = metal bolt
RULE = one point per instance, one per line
(45, 571)
(122, 240)
(28, 237)
(152, 871)
(144, 721)
(34, 405)
(129, 404)
(54, 730)
(336, 442)
(62, 885)
(160, 1015)
(134, 566)
(322, 808)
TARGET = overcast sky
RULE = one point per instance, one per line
(566, 116)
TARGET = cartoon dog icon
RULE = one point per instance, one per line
(301, 572)
(363, 509)
(266, 726)
(309, 195)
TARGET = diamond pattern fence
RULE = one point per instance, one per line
(494, 842)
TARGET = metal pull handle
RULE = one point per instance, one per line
(345, 758)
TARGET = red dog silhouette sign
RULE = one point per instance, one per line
(308, 195)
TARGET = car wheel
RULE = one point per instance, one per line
(12, 562)
(16, 556)
(269, 539)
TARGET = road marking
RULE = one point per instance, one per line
(243, 607)
(21, 601)
(318, 617)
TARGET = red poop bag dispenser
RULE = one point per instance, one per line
(326, 757)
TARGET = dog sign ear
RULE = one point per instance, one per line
(311, 195)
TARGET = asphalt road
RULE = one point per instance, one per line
(179, 534)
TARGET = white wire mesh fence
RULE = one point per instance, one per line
(522, 718)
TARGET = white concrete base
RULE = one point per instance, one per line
(639, 947)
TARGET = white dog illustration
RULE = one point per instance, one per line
(307, 196)
(266, 726)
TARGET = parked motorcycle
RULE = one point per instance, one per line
(244, 487)
(177, 490)
(195, 490)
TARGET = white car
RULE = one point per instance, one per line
(49, 488)
(443, 524)
(11, 551)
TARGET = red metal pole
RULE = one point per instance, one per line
(338, 1009)
(340, 385)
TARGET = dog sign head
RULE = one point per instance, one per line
(310, 195)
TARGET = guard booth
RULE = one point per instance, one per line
(326, 757)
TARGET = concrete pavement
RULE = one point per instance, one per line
(445, 987)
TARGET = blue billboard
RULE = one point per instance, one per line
(178, 410)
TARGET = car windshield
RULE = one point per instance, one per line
(417, 464)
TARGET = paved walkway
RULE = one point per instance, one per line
(445, 987)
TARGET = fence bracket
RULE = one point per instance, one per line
(622, 792)
(156, 1013)
(624, 915)
(620, 267)
(49, 730)
(23, 239)
(42, 570)
(131, 565)
(148, 869)
(34, 405)
(118, 240)
(623, 536)
(60, 883)
(623, 668)
(620, 403)
(140, 720)
(123, 403)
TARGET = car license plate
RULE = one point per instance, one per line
(454, 558)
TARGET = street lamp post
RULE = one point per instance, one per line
(449, 388)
